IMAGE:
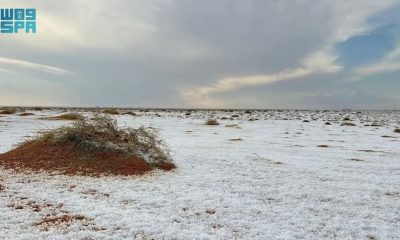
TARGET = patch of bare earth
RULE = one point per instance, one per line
(69, 159)
(65, 220)
(51, 215)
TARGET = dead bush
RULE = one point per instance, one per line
(349, 124)
(111, 111)
(101, 133)
(8, 111)
(66, 117)
(212, 122)
(26, 114)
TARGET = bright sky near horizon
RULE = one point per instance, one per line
(209, 53)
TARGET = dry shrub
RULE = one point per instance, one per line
(111, 111)
(26, 114)
(235, 139)
(66, 117)
(101, 133)
(130, 113)
(8, 111)
(232, 126)
(349, 124)
(212, 122)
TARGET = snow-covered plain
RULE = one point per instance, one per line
(276, 183)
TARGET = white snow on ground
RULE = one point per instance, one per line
(274, 184)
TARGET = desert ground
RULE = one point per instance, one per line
(258, 174)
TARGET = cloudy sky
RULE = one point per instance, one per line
(205, 53)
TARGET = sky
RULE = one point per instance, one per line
(305, 54)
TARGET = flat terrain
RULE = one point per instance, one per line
(273, 176)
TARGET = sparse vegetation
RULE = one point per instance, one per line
(102, 133)
(235, 139)
(26, 114)
(212, 122)
(130, 113)
(356, 160)
(66, 117)
(232, 126)
(111, 111)
(349, 124)
(323, 146)
(96, 145)
(8, 111)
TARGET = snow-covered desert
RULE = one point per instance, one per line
(273, 174)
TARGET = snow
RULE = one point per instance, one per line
(275, 184)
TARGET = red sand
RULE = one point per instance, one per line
(70, 160)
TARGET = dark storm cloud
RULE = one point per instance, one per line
(157, 53)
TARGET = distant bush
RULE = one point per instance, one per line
(111, 111)
(66, 117)
(397, 130)
(212, 122)
(25, 114)
(8, 111)
(232, 126)
(347, 124)
(130, 113)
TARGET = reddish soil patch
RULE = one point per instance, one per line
(61, 220)
(69, 159)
